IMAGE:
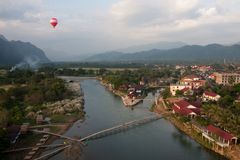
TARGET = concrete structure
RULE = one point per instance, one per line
(227, 78)
(218, 137)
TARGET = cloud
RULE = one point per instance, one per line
(18, 10)
(153, 19)
(124, 23)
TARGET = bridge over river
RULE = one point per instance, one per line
(106, 132)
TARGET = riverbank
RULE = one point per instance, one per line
(127, 101)
(232, 153)
(61, 116)
(75, 105)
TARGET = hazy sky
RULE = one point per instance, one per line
(90, 26)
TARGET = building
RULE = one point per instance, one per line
(204, 68)
(136, 91)
(184, 108)
(218, 137)
(175, 87)
(210, 96)
(227, 78)
(192, 80)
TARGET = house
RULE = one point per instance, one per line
(219, 137)
(192, 80)
(184, 108)
(136, 91)
(175, 87)
(210, 96)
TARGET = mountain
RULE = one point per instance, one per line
(159, 45)
(16, 52)
(189, 53)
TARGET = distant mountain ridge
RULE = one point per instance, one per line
(188, 53)
(15, 52)
(163, 45)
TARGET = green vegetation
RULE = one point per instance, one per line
(202, 121)
(227, 118)
(28, 91)
(149, 76)
(184, 119)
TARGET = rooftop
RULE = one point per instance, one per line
(212, 94)
(219, 132)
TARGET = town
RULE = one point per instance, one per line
(201, 100)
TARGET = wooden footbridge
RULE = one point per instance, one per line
(106, 132)
(120, 128)
(110, 131)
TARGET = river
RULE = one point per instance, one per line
(155, 140)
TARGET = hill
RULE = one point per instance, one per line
(189, 53)
(159, 45)
(16, 52)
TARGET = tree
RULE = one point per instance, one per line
(166, 93)
(226, 101)
(15, 115)
(236, 88)
(179, 93)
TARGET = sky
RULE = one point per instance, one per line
(95, 26)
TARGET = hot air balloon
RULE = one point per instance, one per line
(54, 22)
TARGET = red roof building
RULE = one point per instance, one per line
(193, 81)
(220, 137)
(184, 108)
(210, 96)
(219, 132)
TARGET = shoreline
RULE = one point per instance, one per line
(188, 130)
(185, 128)
(125, 100)
(70, 121)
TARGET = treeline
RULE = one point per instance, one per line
(27, 88)
(23, 91)
(146, 75)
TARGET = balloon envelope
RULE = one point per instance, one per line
(54, 22)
